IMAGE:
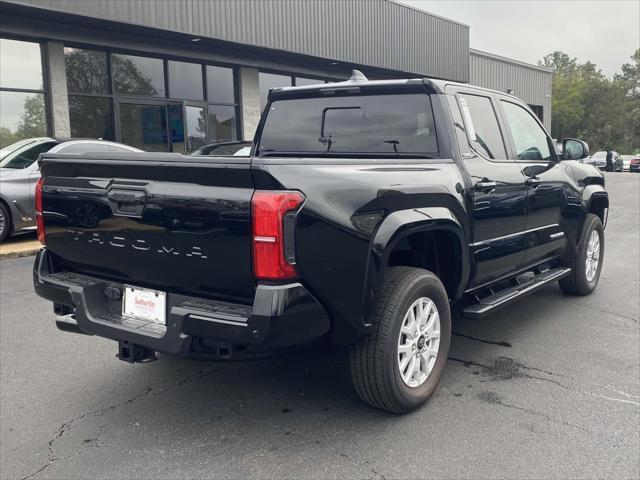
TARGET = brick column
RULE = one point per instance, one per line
(58, 89)
(249, 101)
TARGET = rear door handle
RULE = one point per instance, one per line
(532, 181)
(485, 184)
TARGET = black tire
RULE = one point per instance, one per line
(5, 224)
(577, 283)
(374, 369)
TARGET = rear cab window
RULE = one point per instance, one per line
(364, 125)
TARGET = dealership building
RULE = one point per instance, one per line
(171, 75)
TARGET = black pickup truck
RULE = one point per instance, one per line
(367, 212)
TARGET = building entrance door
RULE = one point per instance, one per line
(151, 126)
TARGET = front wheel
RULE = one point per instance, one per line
(587, 264)
(397, 366)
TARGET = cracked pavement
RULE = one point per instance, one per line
(547, 388)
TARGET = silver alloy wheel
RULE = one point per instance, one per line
(2, 222)
(593, 256)
(418, 342)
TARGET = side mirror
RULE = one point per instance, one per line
(574, 149)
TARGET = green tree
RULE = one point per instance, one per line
(33, 122)
(586, 104)
(7, 137)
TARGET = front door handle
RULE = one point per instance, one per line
(532, 181)
(485, 184)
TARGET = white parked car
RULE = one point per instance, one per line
(599, 159)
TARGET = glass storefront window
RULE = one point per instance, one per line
(22, 115)
(21, 65)
(134, 75)
(196, 123)
(144, 126)
(185, 80)
(220, 85)
(222, 123)
(90, 117)
(271, 80)
(86, 71)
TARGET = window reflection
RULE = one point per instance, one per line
(222, 123)
(137, 75)
(268, 81)
(21, 65)
(90, 117)
(22, 115)
(220, 88)
(144, 127)
(185, 80)
(86, 71)
(196, 128)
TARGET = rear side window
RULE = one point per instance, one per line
(362, 124)
(482, 126)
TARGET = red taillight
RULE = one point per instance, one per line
(268, 211)
(39, 217)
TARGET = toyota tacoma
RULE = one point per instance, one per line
(367, 212)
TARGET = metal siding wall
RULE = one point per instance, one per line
(378, 33)
(531, 84)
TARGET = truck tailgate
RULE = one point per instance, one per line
(164, 221)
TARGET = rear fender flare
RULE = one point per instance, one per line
(394, 228)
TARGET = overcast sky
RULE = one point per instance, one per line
(606, 32)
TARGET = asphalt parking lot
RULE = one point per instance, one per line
(549, 388)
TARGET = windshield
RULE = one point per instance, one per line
(25, 156)
(389, 125)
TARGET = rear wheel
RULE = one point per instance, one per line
(397, 367)
(587, 264)
(5, 222)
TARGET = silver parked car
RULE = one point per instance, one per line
(19, 173)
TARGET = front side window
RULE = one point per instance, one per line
(530, 140)
(362, 124)
(482, 125)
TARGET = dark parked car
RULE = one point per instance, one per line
(237, 149)
(369, 210)
(634, 164)
(19, 173)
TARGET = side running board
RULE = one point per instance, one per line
(509, 295)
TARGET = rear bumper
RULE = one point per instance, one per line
(281, 315)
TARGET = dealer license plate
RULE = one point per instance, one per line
(145, 304)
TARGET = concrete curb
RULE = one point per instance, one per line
(22, 253)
